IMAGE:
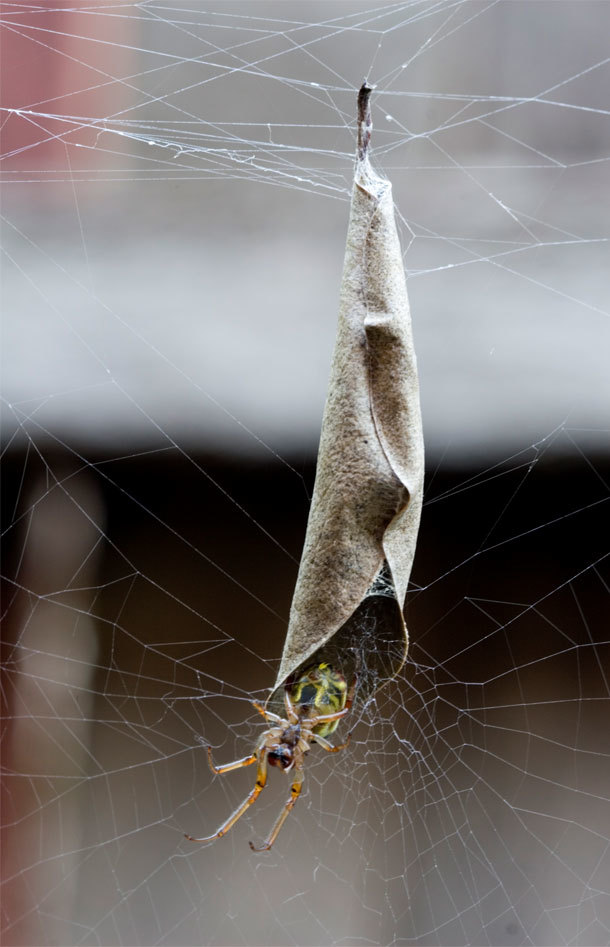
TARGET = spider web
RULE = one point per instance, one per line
(176, 181)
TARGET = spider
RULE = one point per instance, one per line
(314, 706)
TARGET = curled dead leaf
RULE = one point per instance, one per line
(366, 504)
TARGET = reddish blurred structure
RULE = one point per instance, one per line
(56, 84)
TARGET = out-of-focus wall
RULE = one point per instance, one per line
(155, 290)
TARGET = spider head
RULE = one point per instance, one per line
(282, 756)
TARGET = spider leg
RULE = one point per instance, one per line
(290, 709)
(266, 713)
(295, 791)
(227, 767)
(328, 746)
(349, 700)
(323, 718)
(261, 779)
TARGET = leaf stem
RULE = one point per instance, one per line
(365, 123)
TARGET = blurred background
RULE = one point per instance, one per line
(176, 183)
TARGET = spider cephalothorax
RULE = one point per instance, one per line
(315, 703)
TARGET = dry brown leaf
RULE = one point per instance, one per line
(366, 504)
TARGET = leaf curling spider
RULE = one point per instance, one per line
(315, 704)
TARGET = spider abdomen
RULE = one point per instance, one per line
(319, 692)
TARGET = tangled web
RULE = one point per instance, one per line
(176, 180)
